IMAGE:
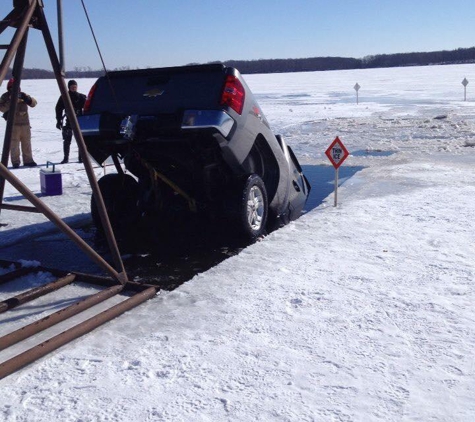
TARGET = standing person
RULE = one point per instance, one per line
(78, 101)
(21, 132)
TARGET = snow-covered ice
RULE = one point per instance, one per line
(361, 312)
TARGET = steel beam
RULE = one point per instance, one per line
(6, 22)
(35, 293)
(20, 32)
(19, 272)
(57, 317)
(17, 71)
(22, 208)
(10, 366)
(82, 148)
(60, 36)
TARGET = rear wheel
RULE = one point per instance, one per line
(120, 195)
(253, 208)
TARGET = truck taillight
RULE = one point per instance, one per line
(233, 94)
(88, 103)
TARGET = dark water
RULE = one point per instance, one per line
(171, 259)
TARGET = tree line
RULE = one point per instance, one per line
(458, 56)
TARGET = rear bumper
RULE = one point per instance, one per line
(208, 119)
(90, 125)
(106, 125)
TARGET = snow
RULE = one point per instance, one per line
(360, 312)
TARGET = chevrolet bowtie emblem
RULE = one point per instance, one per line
(154, 93)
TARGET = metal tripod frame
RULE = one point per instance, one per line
(28, 14)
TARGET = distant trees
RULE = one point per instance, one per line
(294, 65)
(89, 73)
(48, 74)
(33, 74)
(461, 55)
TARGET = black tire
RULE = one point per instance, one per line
(253, 208)
(120, 194)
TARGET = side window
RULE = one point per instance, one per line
(294, 159)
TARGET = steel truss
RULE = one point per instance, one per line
(28, 14)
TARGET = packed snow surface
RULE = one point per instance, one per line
(360, 312)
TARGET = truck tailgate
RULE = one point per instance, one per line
(156, 91)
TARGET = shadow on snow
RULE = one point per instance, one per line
(191, 249)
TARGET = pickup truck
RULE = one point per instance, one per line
(193, 140)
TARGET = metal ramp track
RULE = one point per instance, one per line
(141, 293)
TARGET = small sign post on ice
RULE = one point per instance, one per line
(337, 153)
(465, 83)
(357, 88)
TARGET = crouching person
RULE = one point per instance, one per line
(21, 132)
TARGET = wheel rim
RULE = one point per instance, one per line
(255, 208)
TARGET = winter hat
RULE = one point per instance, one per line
(10, 83)
(72, 82)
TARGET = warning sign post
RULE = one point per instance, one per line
(337, 153)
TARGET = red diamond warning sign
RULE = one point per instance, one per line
(337, 153)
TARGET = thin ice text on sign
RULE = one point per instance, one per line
(337, 153)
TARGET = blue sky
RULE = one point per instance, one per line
(156, 33)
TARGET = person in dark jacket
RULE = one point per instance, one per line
(78, 101)
(21, 132)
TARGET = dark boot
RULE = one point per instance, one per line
(66, 146)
